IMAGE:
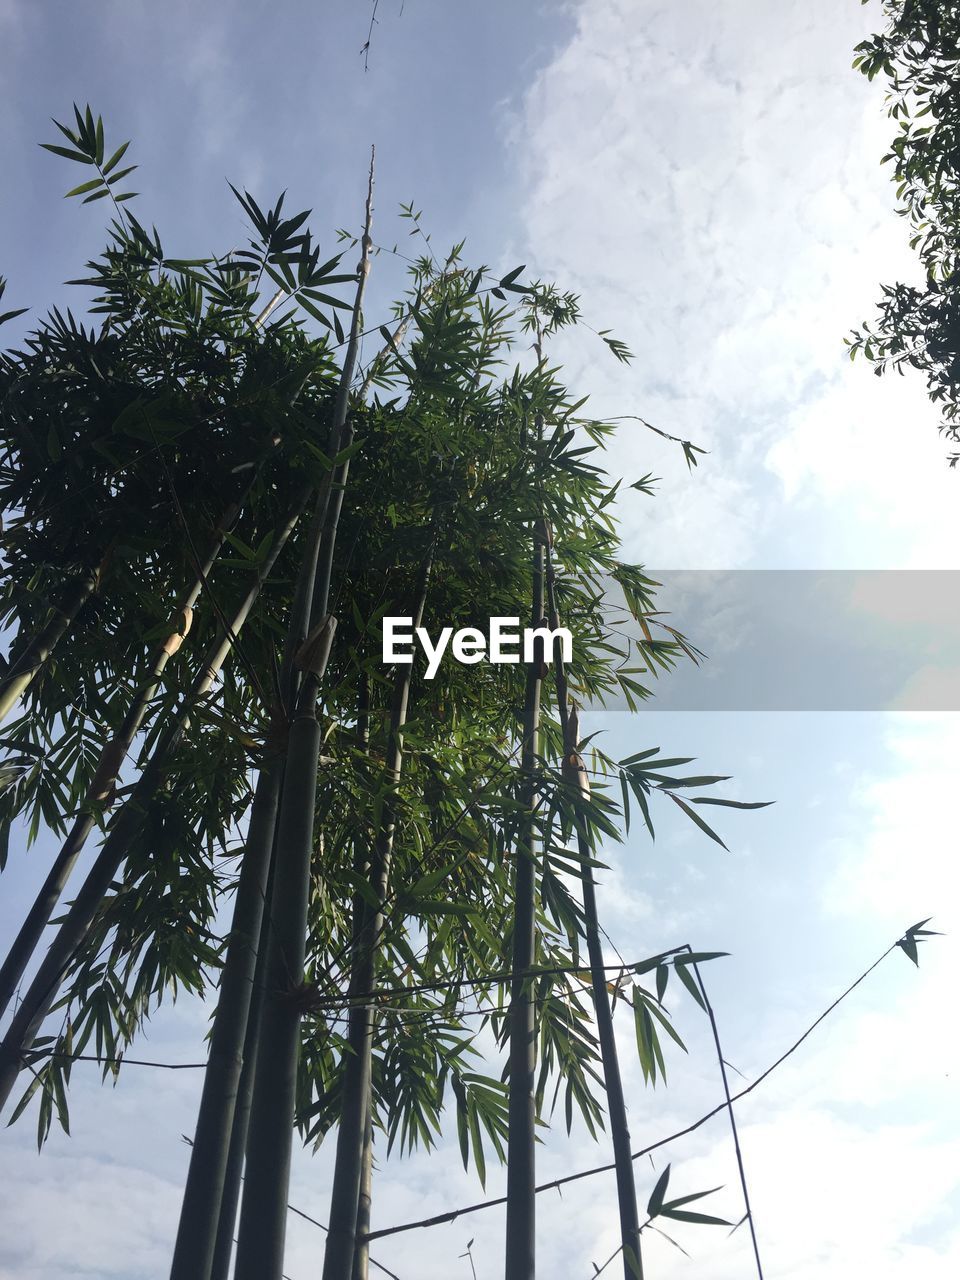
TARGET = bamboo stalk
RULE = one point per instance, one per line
(575, 773)
(263, 1209)
(233, 1174)
(261, 1233)
(521, 1160)
(209, 1208)
(361, 866)
(24, 665)
(203, 1191)
(100, 793)
(76, 924)
(353, 1134)
(361, 1256)
(612, 1079)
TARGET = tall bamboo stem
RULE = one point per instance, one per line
(521, 1161)
(353, 1135)
(263, 1210)
(233, 1174)
(203, 1191)
(208, 1213)
(361, 1255)
(575, 773)
(361, 867)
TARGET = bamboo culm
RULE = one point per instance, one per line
(209, 1208)
(521, 1163)
(263, 1210)
(203, 1191)
(361, 867)
(575, 774)
(76, 924)
(353, 1135)
(361, 1254)
(233, 1175)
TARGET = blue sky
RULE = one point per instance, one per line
(706, 177)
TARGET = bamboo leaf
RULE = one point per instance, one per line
(655, 1203)
(695, 817)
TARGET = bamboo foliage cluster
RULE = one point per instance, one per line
(210, 505)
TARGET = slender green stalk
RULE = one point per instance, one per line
(722, 1063)
(203, 1192)
(76, 924)
(262, 1226)
(353, 1151)
(209, 1208)
(100, 793)
(263, 1209)
(361, 866)
(233, 1174)
(25, 664)
(361, 1256)
(575, 773)
(521, 1161)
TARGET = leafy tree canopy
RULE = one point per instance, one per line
(919, 326)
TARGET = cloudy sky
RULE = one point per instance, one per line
(706, 177)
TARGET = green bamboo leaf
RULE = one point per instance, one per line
(123, 173)
(116, 158)
(909, 947)
(66, 153)
(731, 804)
(695, 818)
(509, 278)
(682, 1215)
(663, 973)
(686, 977)
(695, 1195)
(704, 780)
(84, 186)
(655, 1203)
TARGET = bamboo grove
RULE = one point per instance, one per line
(214, 488)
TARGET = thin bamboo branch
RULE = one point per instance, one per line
(574, 772)
(25, 664)
(76, 924)
(733, 1121)
(355, 1107)
(361, 866)
(521, 1157)
(453, 1214)
(101, 792)
(557, 1183)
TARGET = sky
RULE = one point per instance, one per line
(707, 178)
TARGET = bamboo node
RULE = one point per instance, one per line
(181, 623)
(313, 654)
(574, 771)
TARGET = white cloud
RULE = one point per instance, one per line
(899, 856)
(707, 176)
